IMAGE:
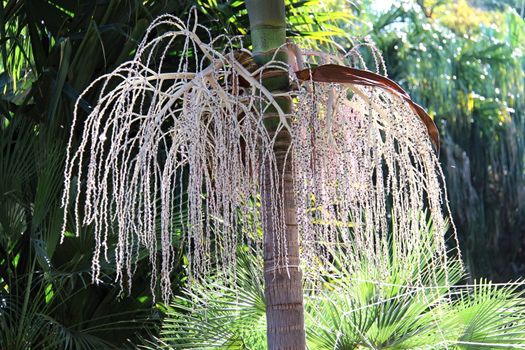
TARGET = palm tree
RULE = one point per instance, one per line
(351, 151)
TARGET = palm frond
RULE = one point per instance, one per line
(217, 315)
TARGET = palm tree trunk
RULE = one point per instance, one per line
(283, 286)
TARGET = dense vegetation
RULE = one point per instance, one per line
(353, 310)
(466, 65)
(467, 70)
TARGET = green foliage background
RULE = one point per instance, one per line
(466, 66)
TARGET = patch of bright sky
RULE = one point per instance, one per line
(382, 5)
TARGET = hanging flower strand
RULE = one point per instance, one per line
(190, 144)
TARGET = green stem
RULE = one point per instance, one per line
(267, 27)
(268, 33)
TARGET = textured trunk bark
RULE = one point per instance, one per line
(283, 286)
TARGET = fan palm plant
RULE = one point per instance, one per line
(361, 309)
(42, 286)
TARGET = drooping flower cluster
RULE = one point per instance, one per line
(178, 149)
